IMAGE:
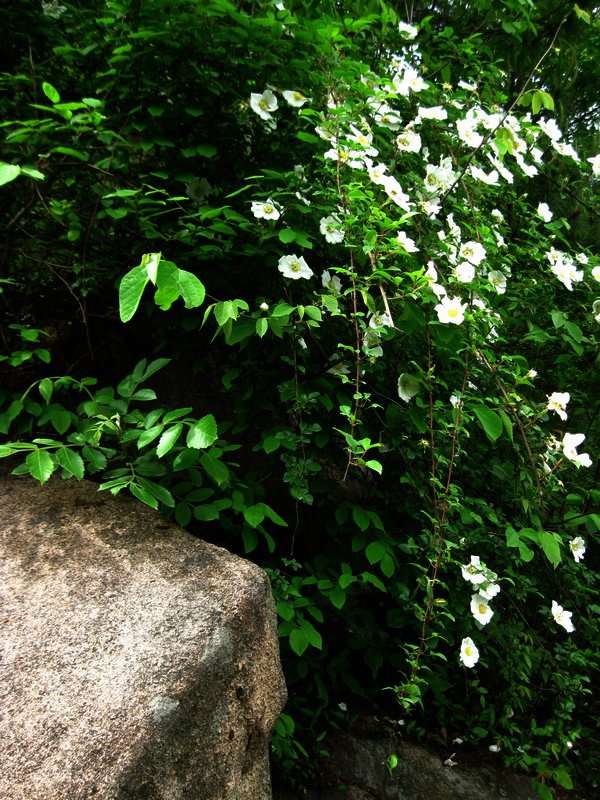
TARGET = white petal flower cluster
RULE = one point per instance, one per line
(544, 212)
(451, 309)
(497, 280)
(441, 177)
(294, 267)
(563, 266)
(558, 402)
(562, 617)
(469, 654)
(331, 282)
(577, 547)
(595, 162)
(472, 252)
(408, 387)
(569, 445)
(409, 141)
(264, 105)
(331, 228)
(484, 580)
(266, 210)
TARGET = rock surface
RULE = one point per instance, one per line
(137, 662)
(356, 770)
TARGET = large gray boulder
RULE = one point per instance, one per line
(136, 661)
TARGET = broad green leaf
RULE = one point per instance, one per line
(287, 235)
(96, 458)
(254, 515)
(150, 435)
(337, 597)
(50, 92)
(131, 290)
(143, 495)
(203, 433)
(71, 462)
(40, 465)
(176, 413)
(8, 172)
(161, 493)
(375, 552)
(168, 439)
(192, 289)
(215, 468)
(262, 326)
(45, 388)
(490, 421)
(361, 517)
(33, 173)
(285, 610)
(550, 543)
(298, 641)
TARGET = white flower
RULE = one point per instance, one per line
(264, 306)
(489, 590)
(378, 320)
(474, 572)
(264, 104)
(581, 258)
(331, 229)
(377, 172)
(480, 609)
(338, 367)
(544, 212)
(595, 162)
(490, 178)
(408, 387)
(596, 273)
(53, 9)
(498, 280)
(557, 401)
(565, 270)
(332, 283)
(473, 252)
(395, 192)
(577, 546)
(494, 748)
(469, 654)
(569, 444)
(294, 267)
(409, 141)
(406, 31)
(562, 617)
(464, 272)
(434, 112)
(410, 81)
(565, 149)
(467, 133)
(470, 87)
(550, 128)
(388, 117)
(450, 309)
(407, 243)
(596, 309)
(296, 99)
(364, 140)
(267, 210)
(342, 707)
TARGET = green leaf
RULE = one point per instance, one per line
(298, 641)
(337, 597)
(361, 517)
(215, 469)
(550, 543)
(45, 388)
(490, 421)
(287, 235)
(161, 493)
(262, 326)
(60, 419)
(41, 465)
(71, 461)
(131, 290)
(375, 552)
(168, 439)
(203, 433)
(143, 495)
(176, 413)
(192, 289)
(96, 458)
(8, 172)
(50, 92)
(584, 17)
(255, 514)
(150, 435)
